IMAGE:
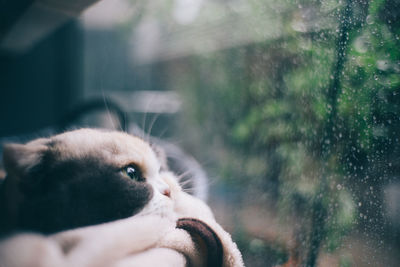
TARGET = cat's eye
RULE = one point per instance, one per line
(132, 172)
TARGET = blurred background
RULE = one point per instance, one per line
(291, 108)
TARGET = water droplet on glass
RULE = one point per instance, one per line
(369, 20)
(382, 65)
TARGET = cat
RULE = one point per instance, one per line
(80, 178)
(102, 198)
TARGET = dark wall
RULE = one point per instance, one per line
(39, 86)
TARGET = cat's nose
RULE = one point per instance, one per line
(163, 188)
(167, 192)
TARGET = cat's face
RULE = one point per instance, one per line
(80, 178)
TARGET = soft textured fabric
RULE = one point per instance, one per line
(187, 206)
(135, 241)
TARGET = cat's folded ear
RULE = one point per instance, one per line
(18, 159)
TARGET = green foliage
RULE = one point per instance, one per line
(267, 109)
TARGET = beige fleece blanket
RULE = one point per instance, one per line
(144, 241)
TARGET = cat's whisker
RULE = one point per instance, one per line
(161, 135)
(108, 111)
(189, 190)
(125, 123)
(201, 186)
(182, 184)
(144, 124)
(183, 175)
(137, 131)
(148, 104)
(155, 117)
(208, 183)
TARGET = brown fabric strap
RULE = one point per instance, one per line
(200, 229)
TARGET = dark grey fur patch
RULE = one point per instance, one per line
(60, 195)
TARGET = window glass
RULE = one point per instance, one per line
(291, 107)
